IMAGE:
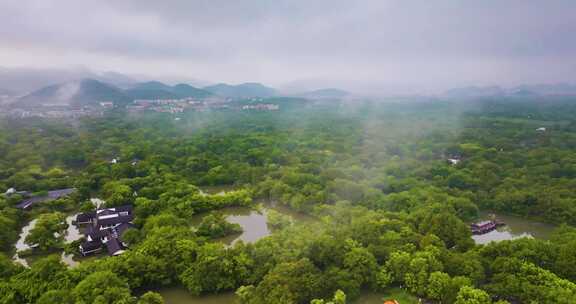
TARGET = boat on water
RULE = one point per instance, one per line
(485, 226)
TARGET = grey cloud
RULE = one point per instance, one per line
(378, 43)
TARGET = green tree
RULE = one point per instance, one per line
(438, 283)
(56, 296)
(117, 194)
(151, 298)
(214, 225)
(277, 220)
(470, 295)
(48, 232)
(9, 233)
(102, 287)
(290, 282)
(214, 269)
(339, 298)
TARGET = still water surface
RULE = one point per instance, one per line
(181, 296)
(254, 222)
(516, 227)
(72, 234)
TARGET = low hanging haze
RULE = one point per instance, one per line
(378, 46)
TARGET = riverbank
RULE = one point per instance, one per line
(516, 227)
(254, 221)
(179, 295)
(26, 255)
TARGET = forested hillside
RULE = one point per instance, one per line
(390, 211)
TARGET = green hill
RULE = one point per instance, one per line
(242, 90)
(158, 90)
(84, 92)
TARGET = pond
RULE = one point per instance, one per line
(254, 222)
(20, 245)
(516, 227)
(400, 295)
(181, 296)
(72, 234)
(217, 189)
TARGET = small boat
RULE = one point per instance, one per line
(485, 226)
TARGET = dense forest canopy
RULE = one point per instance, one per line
(390, 210)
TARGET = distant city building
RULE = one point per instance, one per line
(107, 104)
(454, 161)
(261, 107)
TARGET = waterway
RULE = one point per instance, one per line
(20, 245)
(178, 295)
(181, 296)
(516, 227)
(72, 234)
(217, 189)
(254, 222)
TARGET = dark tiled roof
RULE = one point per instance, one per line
(106, 212)
(89, 246)
(114, 220)
(114, 210)
(60, 193)
(96, 233)
(124, 208)
(121, 229)
(52, 195)
(85, 217)
(113, 246)
(25, 204)
(120, 217)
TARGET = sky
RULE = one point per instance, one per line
(373, 46)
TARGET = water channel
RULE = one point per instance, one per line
(254, 222)
(72, 234)
(516, 227)
(178, 295)
(254, 225)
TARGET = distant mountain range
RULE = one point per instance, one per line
(158, 90)
(523, 90)
(25, 80)
(329, 93)
(250, 89)
(75, 93)
(91, 92)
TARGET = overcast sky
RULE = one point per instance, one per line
(378, 45)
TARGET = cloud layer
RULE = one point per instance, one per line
(378, 45)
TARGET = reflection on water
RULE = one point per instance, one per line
(217, 189)
(253, 222)
(181, 296)
(516, 227)
(21, 245)
(72, 234)
(370, 298)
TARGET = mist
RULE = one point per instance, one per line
(370, 47)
